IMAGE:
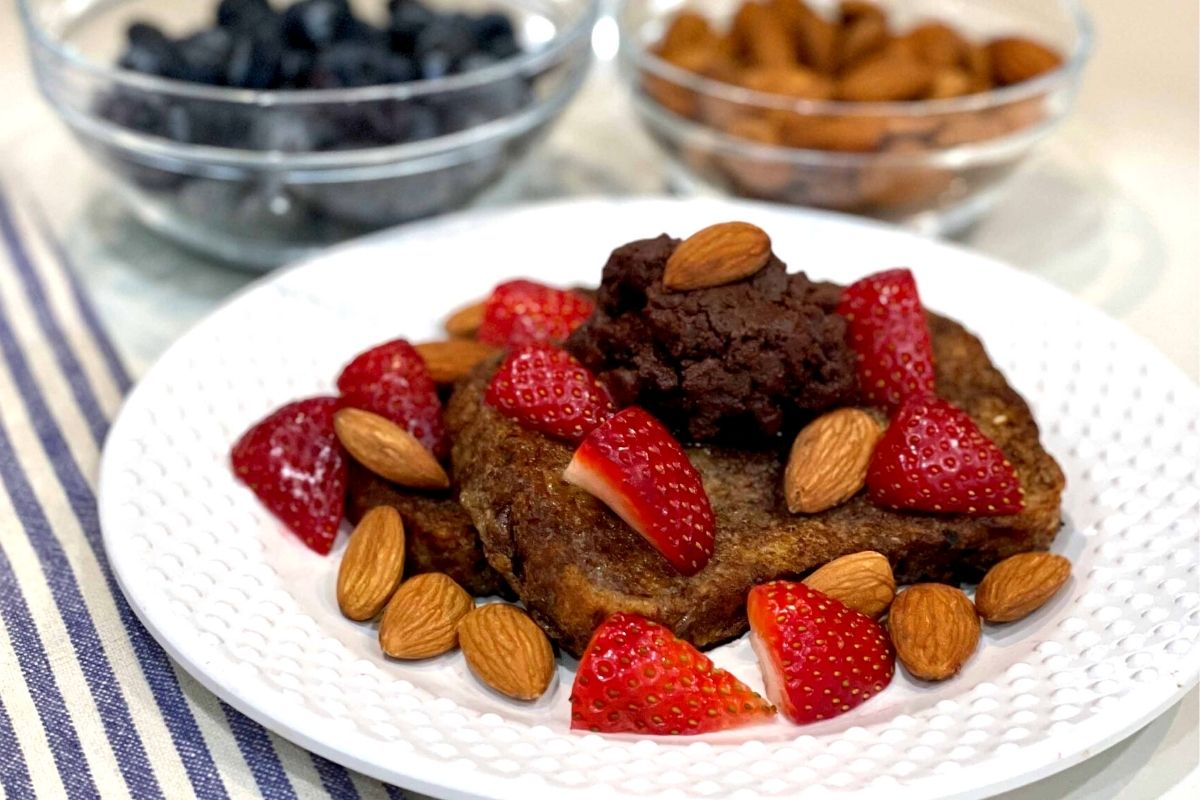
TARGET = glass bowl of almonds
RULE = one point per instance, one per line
(914, 111)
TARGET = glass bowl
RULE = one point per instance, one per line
(935, 165)
(262, 177)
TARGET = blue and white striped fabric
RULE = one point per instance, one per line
(90, 705)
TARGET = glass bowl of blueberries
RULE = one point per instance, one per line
(258, 131)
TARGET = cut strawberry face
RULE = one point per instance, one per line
(635, 676)
(524, 312)
(818, 657)
(293, 462)
(933, 457)
(391, 380)
(634, 465)
(886, 328)
(545, 389)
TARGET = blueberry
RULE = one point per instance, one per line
(243, 14)
(284, 130)
(295, 68)
(492, 26)
(407, 21)
(401, 121)
(178, 124)
(152, 53)
(349, 64)
(205, 55)
(449, 35)
(254, 61)
(476, 61)
(315, 24)
(401, 69)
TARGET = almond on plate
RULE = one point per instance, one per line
(465, 321)
(829, 458)
(372, 565)
(507, 650)
(388, 450)
(861, 581)
(452, 359)
(421, 619)
(934, 628)
(1020, 585)
(719, 254)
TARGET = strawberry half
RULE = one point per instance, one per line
(886, 328)
(546, 389)
(294, 463)
(933, 457)
(818, 657)
(391, 380)
(635, 676)
(523, 312)
(634, 465)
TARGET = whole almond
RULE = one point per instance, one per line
(1015, 60)
(465, 321)
(885, 78)
(829, 459)
(790, 81)
(938, 44)
(861, 37)
(421, 619)
(950, 82)
(764, 38)
(719, 254)
(1019, 585)
(388, 450)
(372, 565)
(862, 581)
(934, 628)
(452, 359)
(507, 650)
(688, 30)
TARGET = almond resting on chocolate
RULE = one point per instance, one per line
(741, 363)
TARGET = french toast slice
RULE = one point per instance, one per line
(572, 561)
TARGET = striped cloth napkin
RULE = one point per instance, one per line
(90, 705)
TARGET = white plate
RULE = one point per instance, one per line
(245, 608)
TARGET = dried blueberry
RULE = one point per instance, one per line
(243, 14)
(205, 55)
(407, 21)
(254, 60)
(152, 53)
(315, 24)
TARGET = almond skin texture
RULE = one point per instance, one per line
(454, 358)
(506, 650)
(388, 450)
(1016, 60)
(421, 620)
(885, 79)
(465, 321)
(935, 630)
(1020, 585)
(829, 460)
(719, 254)
(861, 581)
(372, 565)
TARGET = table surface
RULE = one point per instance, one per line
(1109, 211)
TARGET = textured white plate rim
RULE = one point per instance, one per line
(421, 773)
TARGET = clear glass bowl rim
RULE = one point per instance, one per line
(637, 57)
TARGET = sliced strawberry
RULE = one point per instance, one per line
(634, 465)
(546, 389)
(391, 380)
(818, 657)
(933, 457)
(637, 677)
(887, 330)
(293, 462)
(523, 312)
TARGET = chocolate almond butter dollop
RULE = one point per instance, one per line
(738, 364)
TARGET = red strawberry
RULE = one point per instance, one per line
(887, 330)
(391, 380)
(818, 658)
(637, 677)
(633, 464)
(293, 462)
(523, 312)
(933, 457)
(546, 389)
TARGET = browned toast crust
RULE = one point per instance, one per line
(573, 562)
